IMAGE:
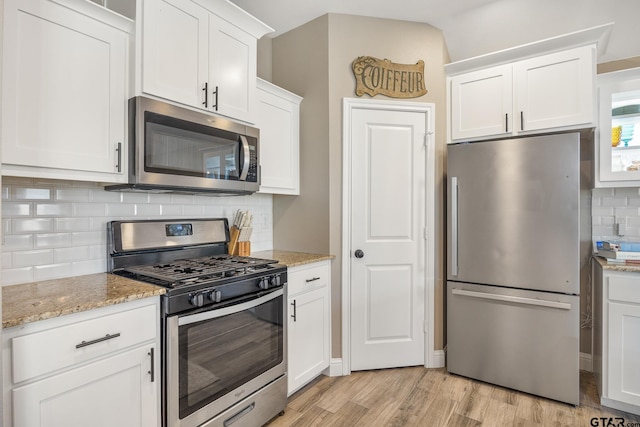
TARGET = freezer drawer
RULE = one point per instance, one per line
(524, 340)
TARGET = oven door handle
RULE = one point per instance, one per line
(212, 314)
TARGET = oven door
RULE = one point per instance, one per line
(218, 357)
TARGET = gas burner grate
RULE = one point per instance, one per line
(196, 270)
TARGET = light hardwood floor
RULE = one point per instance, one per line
(417, 396)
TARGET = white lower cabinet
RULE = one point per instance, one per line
(309, 323)
(616, 343)
(96, 368)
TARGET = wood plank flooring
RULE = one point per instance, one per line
(417, 396)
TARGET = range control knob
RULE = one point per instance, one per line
(214, 296)
(197, 300)
(275, 280)
(263, 283)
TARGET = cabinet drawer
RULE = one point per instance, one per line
(625, 289)
(306, 278)
(47, 351)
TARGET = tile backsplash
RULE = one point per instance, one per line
(54, 229)
(610, 206)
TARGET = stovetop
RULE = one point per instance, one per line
(202, 270)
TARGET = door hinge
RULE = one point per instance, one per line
(426, 235)
(426, 140)
(425, 327)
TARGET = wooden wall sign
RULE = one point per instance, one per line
(381, 76)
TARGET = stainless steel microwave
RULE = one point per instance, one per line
(175, 149)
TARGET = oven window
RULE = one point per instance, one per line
(221, 354)
(178, 147)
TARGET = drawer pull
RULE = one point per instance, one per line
(105, 338)
(312, 280)
(293, 304)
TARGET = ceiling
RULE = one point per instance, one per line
(475, 27)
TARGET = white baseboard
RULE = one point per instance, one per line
(621, 406)
(586, 362)
(438, 359)
(335, 368)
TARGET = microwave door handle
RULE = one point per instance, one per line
(246, 158)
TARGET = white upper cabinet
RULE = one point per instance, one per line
(618, 138)
(64, 80)
(555, 90)
(175, 59)
(482, 103)
(200, 53)
(547, 92)
(278, 118)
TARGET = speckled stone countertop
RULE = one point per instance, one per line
(617, 267)
(30, 302)
(291, 259)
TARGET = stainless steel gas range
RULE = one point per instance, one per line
(223, 329)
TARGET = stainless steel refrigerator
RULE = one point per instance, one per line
(514, 231)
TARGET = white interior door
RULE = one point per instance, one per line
(388, 225)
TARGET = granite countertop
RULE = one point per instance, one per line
(291, 259)
(30, 302)
(617, 267)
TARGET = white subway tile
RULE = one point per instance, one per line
(5, 192)
(31, 225)
(54, 209)
(76, 253)
(145, 210)
(121, 210)
(629, 211)
(51, 271)
(171, 210)
(13, 276)
(52, 240)
(626, 192)
(72, 224)
(192, 210)
(89, 209)
(6, 260)
(88, 238)
(100, 195)
(11, 209)
(182, 199)
(72, 194)
(159, 198)
(614, 201)
(135, 197)
(89, 267)
(32, 257)
(27, 193)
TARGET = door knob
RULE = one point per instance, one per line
(358, 253)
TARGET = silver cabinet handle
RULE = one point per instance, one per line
(514, 299)
(454, 226)
(97, 340)
(152, 371)
(119, 153)
(312, 280)
(294, 310)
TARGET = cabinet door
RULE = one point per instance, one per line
(308, 343)
(278, 118)
(624, 347)
(64, 84)
(555, 90)
(116, 391)
(481, 103)
(232, 70)
(618, 156)
(175, 50)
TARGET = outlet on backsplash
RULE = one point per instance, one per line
(620, 226)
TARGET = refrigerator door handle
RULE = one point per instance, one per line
(509, 298)
(454, 226)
